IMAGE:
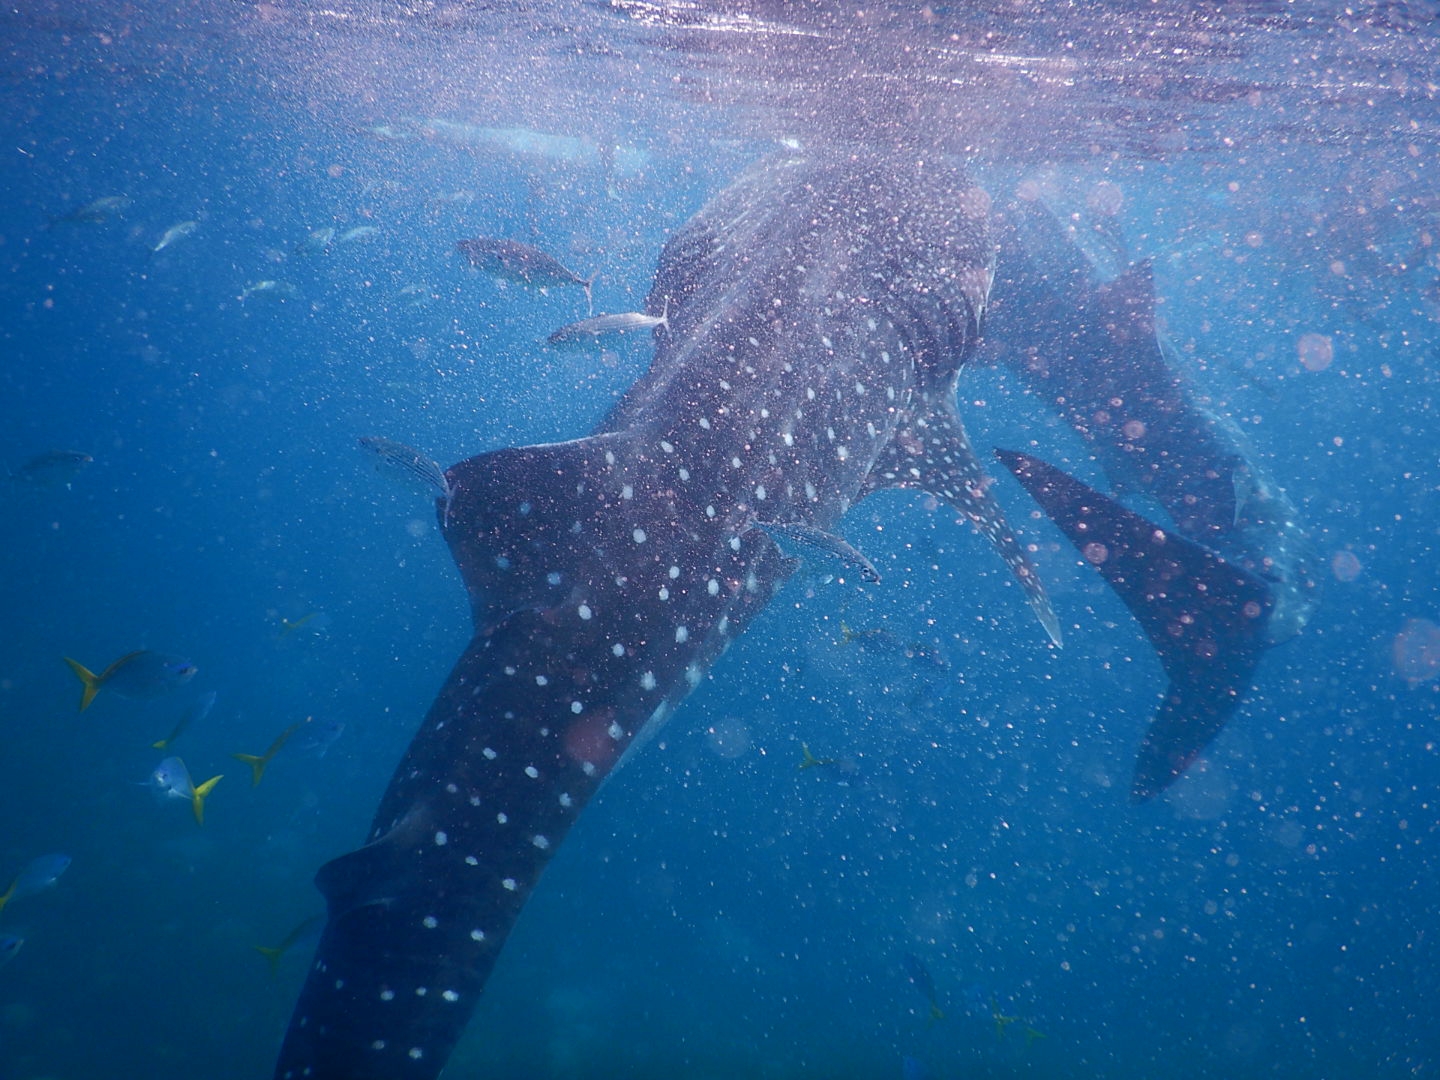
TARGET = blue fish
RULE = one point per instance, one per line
(38, 875)
(9, 946)
(138, 675)
(821, 309)
(52, 469)
(316, 735)
(919, 976)
(171, 780)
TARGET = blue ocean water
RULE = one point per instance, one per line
(717, 911)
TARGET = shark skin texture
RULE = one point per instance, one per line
(820, 312)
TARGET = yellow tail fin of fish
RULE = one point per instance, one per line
(257, 763)
(88, 679)
(272, 953)
(197, 800)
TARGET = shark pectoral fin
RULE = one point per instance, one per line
(375, 874)
(933, 454)
(1205, 617)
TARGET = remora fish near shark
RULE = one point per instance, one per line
(820, 312)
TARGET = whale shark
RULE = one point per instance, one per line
(821, 309)
(820, 312)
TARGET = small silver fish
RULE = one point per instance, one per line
(808, 535)
(359, 232)
(94, 212)
(272, 290)
(318, 242)
(174, 233)
(520, 263)
(410, 466)
(587, 330)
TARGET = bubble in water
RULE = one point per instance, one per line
(1105, 199)
(1346, 566)
(1416, 651)
(1316, 351)
(729, 738)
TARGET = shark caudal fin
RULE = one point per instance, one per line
(1205, 617)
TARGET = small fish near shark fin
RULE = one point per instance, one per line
(1205, 617)
(933, 454)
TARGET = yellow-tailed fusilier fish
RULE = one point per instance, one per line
(257, 762)
(597, 326)
(197, 711)
(37, 876)
(289, 626)
(139, 675)
(171, 780)
(174, 234)
(302, 930)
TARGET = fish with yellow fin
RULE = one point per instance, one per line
(171, 780)
(810, 761)
(919, 976)
(139, 675)
(289, 626)
(36, 876)
(197, 711)
(257, 762)
(274, 953)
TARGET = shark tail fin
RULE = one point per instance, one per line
(90, 682)
(1204, 616)
(197, 800)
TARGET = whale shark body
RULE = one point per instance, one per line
(820, 312)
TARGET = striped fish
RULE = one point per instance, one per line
(797, 532)
(410, 467)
